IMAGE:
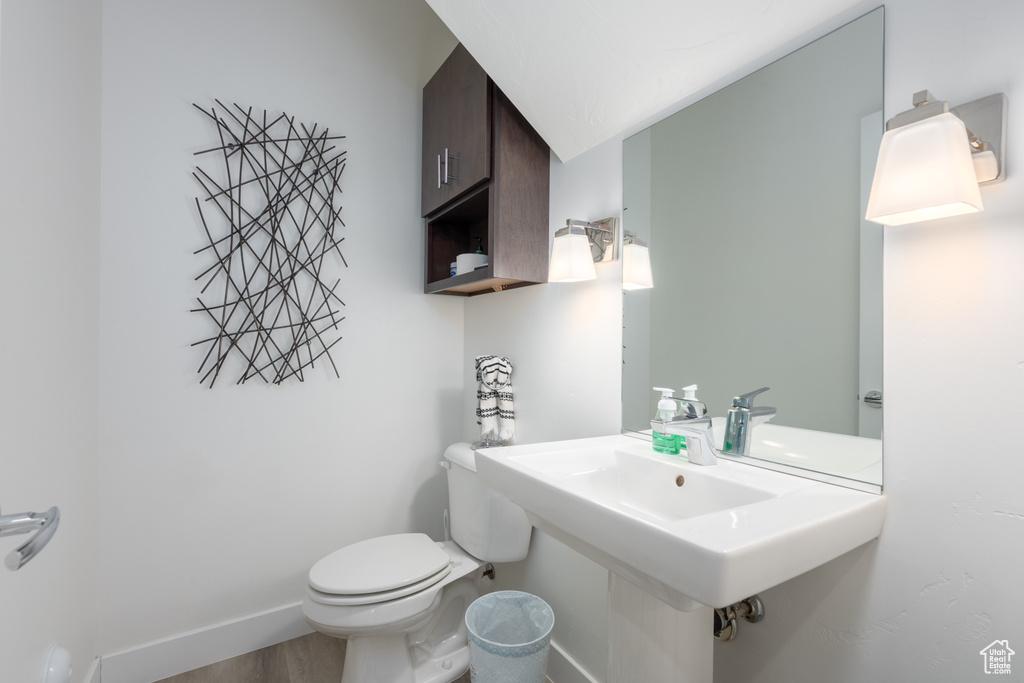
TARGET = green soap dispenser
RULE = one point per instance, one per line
(665, 443)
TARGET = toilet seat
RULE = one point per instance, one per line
(383, 596)
(378, 569)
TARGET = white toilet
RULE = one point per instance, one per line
(401, 600)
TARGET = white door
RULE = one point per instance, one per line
(49, 281)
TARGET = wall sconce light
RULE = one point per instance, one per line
(636, 263)
(933, 158)
(578, 246)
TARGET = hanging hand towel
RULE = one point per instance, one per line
(495, 412)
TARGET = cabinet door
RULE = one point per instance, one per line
(456, 130)
(469, 129)
(436, 95)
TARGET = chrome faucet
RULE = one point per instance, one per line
(693, 422)
(741, 420)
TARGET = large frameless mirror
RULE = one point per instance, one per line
(765, 273)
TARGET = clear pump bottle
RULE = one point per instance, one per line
(667, 408)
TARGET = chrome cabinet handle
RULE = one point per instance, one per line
(873, 399)
(448, 175)
(443, 179)
(23, 523)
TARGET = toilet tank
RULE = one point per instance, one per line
(484, 524)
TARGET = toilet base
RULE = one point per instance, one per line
(435, 652)
(420, 638)
(375, 659)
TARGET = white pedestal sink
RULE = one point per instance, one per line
(691, 537)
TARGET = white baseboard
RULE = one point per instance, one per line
(562, 668)
(187, 651)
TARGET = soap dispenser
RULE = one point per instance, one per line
(667, 408)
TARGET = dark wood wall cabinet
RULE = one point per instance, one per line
(485, 182)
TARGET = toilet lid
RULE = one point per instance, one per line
(379, 564)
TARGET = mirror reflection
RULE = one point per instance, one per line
(765, 273)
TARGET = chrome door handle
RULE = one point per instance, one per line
(439, 171)
(873, 399)
(23, 523)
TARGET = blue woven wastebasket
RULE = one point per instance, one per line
(509, 638)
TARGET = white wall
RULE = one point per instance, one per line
(214, 503)
(943, 581)
(49, 221)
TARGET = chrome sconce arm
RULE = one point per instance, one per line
(26, 522)
(581, 244)
(985, 123)
(600, 234)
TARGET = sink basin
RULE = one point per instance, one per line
(641, 484)
(689, 535)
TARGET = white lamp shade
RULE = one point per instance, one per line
(636, 267)
(924, 171)
(571, 260)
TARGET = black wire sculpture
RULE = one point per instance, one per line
(275, 218)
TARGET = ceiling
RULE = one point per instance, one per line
(584, 71)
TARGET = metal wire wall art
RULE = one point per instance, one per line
(270, 210)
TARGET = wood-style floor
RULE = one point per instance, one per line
(315, 658)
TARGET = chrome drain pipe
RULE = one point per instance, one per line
(726, 625)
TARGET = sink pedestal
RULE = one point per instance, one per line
(650, 641)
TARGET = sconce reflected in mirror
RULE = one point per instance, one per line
(933, 158)
(636, 263)
(578, 246)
